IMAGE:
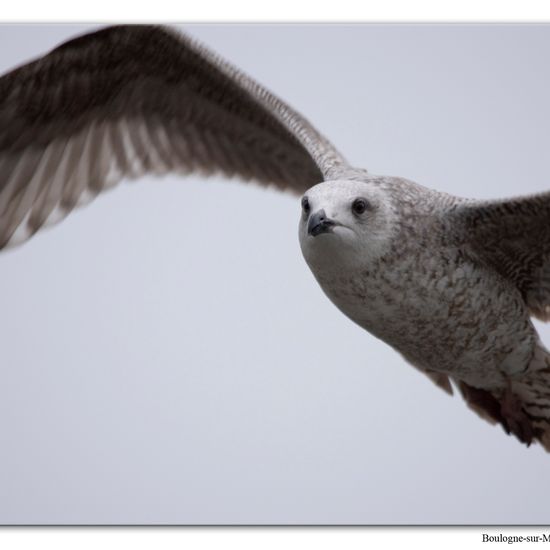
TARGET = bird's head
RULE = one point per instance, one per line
(345, 223)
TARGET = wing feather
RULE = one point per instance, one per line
(512, 237)
(49, 194)
(80, 176)
(24, 182)
(126, 101)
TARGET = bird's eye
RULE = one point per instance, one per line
(359, 206)
(305, 205)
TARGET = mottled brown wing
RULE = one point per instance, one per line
(129, 100)
(513, 237)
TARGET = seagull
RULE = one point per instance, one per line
(450, 283)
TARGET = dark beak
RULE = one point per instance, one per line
(319, 223)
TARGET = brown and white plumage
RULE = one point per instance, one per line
(513, 237)
(434, 276)
(449, 283)
(130, 100)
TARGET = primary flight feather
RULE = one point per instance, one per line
(450, 283)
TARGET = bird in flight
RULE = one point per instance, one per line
(450, 283)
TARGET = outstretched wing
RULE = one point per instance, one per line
(129, 100)
(513, 237)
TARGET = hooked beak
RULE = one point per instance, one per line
(319, 223)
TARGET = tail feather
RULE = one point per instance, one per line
(530, 396)
(533, 389)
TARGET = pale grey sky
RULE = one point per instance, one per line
(168, 358)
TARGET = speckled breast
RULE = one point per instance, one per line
(441, 312)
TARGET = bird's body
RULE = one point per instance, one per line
(431, 302)
(423, 288)
(450, 283)
(427, 296)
